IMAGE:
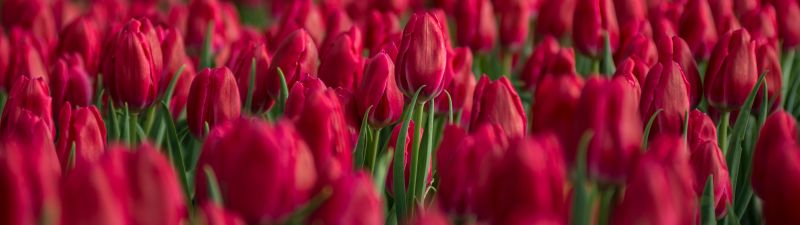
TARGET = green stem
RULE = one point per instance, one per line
(722, 130)
(415, 152)
(149, 120)
(373, 150)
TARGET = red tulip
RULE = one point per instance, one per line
(323, 126)
(768, 63)
(90, 197)
(28, 95)
(462, 163)
(341, 64)
(430, 217)
(213, 99)
(664, 17)
(379, 91)
(298, 94)
(636, 42)
(296, 55)
(497, 102)
(701, 129)
(264, 171)
(707, 159)
(242, 66)
(617, 130)
(698, 28)
(555, 18)
(635, 74)
(336, 22)
(34, 16)
(82, 37)
(547, 59)
(213, 214)
(593, 20)
(300, 14)
(775, 170)
(660, 188)
(462, 85)
(732, 71)
(379, 27)
(69, 82)
(201, 13)
(84, 129)
(132, 67)
(533, 181)
(630, 10)
(676, 50)
(407, 155)
(556, 102)
(788, 11)
(5, 55)
(26, 59)
(514, 23)
(396, 6)
(476, 23)
(761, 22)
(666, 89)
(422, 57)
(174, 58)
(354, 201)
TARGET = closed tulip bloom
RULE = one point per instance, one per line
(264, 171)
(732, 71)
(707, 159)
(638, 45)
(83, 128)
(132, 67)
(341, 64)
(675, 49)
(213, 99)
(25, 60)
(556, 102)
(31, 95)
(547, 59)
(768, 63)
(777, 139)
(463, 162)
(664, 17)
(336, 22)
(462, 85)
(299, 93)
(593, 20)
(514, 24)
(35, 16)
(698, 28)
(630, 10)
(761, 22)
(242, 67)
(379, 27)
(300, 14)
(90, 198)
(213, 214)
(69, 82)
(616, 127)
(533, 181)
(82, 37)
(201, 13)
(354, 201)
(666, 89)
(634, 73)
(379, 91)
(296, 55)
(477, 27)
(788, 11)
(323, 125)
(422, 57)
(175, 58)
(396, 6)
(701, 129)
(497, 102)
(555, 18)
(660, 188)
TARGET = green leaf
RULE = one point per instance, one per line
(646, 133)
(449, 107)
(171, 87)
(424, 163)
(175, 150)
(381, 170)
(248, 104)
(739, 129)
(206, 56)
(399, 158)
(732, 218)
(114, 127)
(419, 116)
(361, 146)
(280, 105)
(707, 213)
(793, 78)
(581, 203)
(126, 124)
(607, 66)
(212, 185)
(71, 159)
(685, 124)
(787, 67)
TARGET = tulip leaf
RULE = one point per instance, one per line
(416, 147)
(787, 67)
(399, 186)
(301, 214)
(424, 162)
(581, 202)
(732, 218)
(379, 173)
(114, 126)
(212, 185)
(449, 107)
(685, 124)
(282, 96)
(126, 124)
(649, 125)
(360, 151)
(206, 57)
(707, 213)
(251, 84)
(71, 159)
(607, 66)
(739, 129)
(793, 78)
(175, 150)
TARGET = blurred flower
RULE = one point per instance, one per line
(379, 27)
(82, 37)
(213, 99)
(698, 28)
(132, 67)
(547, 59)
(707, 159)
(666, 89)
(354, 201)
(341, 64)
(222, 15)
(593, 20)
(299, 14)
(26, 60)
(788, 11)
(636, 41)
(70, 83)
(476, 23)
(213, 214)
(630, 10)
(83, 128)
(241, 65)
(497, 102)
(174, 58)
(555, 18)
(28, 95)
(775, 169)
(295, 56)
(34, 16)
(514, 23)
(323, 126)
(556, 102)
(264, 171)
(768, 63)
(701, 129)
(379, 91)
(732, 71)
(422, 57)
(635, 75)
(462, 85)
(430, 217)
(407, 155)
(761, 22)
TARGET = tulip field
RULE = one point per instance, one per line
(399, 112)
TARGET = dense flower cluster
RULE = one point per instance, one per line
(366, 112)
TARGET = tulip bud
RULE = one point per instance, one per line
(336, 22)
(298, 94)
(514, 24)
(323, 126)
(706, 159)
(69, 82)
(295, 56)
(463, 162)
(226, 27)
(213, 99)
(761, 22)
(354, 201)
(666, 89)
(476, 23)
(35, 16)
(213, 214)
(26, 60)
(90, 197)
(422, 57)
(698, 28)
(533, 181)
(242, 67)
(497, 102)
(379, 91)
(676, 50)
(379, 27)
(593, 20)
(664, 17)
(174, 58)
(547, 59)
(82, 37)
(341, 64)
(132, 68)
(732, 71)
(84, 129)
(660, 188)
(617, 130)
(264, 171)
(636, 42)
(775, 170)
(788, 30)
(31, 95)
(300, 14)
(769, 64)
(701, 129)
(634, 73)
(555, 18)
(556, 102)
(630, 10)
(462, 85)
